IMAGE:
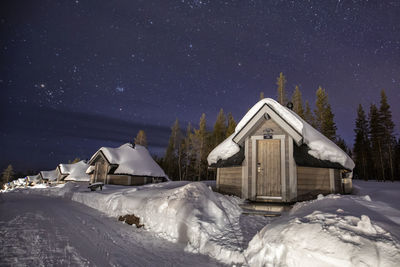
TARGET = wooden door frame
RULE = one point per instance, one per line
(254, 167)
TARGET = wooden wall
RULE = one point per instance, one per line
(128, 180)
(311, 182)
(229, 180)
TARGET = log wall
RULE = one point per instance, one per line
(311, 182)
(229, 180)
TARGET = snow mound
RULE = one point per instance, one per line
(320, 147)
(189, 213)
(75, 171)
(324, 239)
(133, 160)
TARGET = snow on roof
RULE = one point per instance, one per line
(131, 160)
(75, 171)
(49, 175)
(33, 177)
(320, 147)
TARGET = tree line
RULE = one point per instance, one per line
(376, 150)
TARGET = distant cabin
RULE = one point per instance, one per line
(49, 177)
(34, 179)
(275, 156)
(128, 164)
(75, 172)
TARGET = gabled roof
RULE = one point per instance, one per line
(49, 175)
(319, 147)
(130, 159)
(75, 171)
(33, 178)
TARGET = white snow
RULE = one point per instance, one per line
(132, 160)
(333, 230)
(320, 146)
(49, 175)
(75, 171)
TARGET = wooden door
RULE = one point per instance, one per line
(101, 172)
(268, 168)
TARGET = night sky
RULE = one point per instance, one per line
(77, 75)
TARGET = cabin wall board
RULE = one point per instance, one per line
(230, 180)
(312, 181)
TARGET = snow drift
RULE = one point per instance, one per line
(188, 213)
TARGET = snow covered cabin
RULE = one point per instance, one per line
(34, 179)
(49, 176)
(74, 172)
(128, 164)
(275, 156)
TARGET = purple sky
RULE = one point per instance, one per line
(77, 75)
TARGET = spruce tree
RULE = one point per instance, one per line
(219, 131)
(172, 159)
(231, 125)
(200, 147)
(321, 103)
(7, 174)
(328, 126)
(397, 159)
(298, 102)
(376, 135)
(362, 146)
(388, 138)
(308, 115)
(281, 83)
(187, 153)
(141, 138)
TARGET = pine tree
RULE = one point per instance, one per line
(219, 131)
(397, 159)
(141, 138)
(187, 153)
(281, 82)
(376, 135)
(362, 146)
(388, 138)
(298, 102)
(172, 159)
(200, 147)
(321, 103)
(7, 174)
(231, 125)
(308, 115)
(328, 127)
(261, 95)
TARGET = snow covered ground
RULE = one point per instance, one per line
(183, 218)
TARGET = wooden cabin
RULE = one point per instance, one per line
(49, 177)
(128, 164)
(279, 158)
(75, 172)
(34, 179)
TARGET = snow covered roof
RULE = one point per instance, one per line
(32, 178)
(132, 160)
(319, 146)
(75, 171)
(49, 175)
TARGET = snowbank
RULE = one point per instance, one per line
(320, 146)
(75, 171)
(324, 239)
(131, 160)
(188, 213)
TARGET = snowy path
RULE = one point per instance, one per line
(38, 230)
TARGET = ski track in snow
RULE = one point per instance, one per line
(38, 230)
